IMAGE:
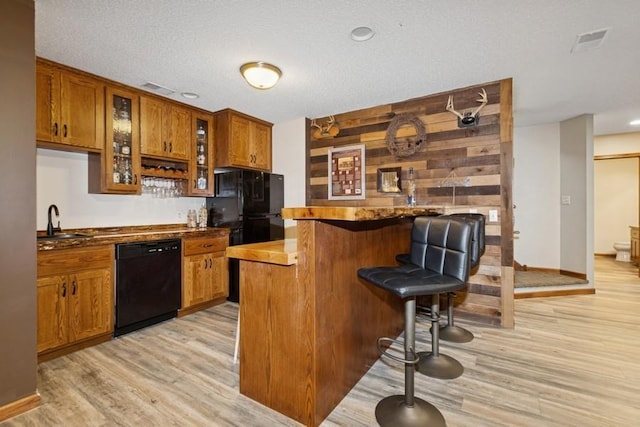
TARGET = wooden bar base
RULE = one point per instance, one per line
(308, 330)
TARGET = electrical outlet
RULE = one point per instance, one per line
(493, 215)
(565, 200)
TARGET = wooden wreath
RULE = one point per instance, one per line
(405, 147)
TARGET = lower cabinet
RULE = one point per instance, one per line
(75, 299)
(205, 274)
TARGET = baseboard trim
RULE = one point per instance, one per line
(20, 406)
(555, 293)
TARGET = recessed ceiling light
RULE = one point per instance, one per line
(635, 122)
(190, 95)
(362, 34)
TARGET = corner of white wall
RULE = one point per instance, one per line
(289, 159)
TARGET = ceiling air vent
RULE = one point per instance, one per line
(590, 40)
(157, 88)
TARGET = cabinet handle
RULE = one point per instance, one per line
(165, 146)
(194, 184)
(210, 263)
(73, 287)
(64, 289)
(135, 179)
(205, 264)
(207, 245)
(171, 147)
(55, 129)
(64, 131)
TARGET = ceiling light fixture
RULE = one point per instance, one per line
(190, 95)
(261, 75)
(362, 34)
(635, 122)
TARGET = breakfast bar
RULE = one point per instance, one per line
(309, 326)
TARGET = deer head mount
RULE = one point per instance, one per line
(468, 117)
(328, 130)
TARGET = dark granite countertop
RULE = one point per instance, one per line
(125, 234)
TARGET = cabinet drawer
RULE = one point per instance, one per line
(62, 260)
(204, 245)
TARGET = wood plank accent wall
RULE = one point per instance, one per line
(483, 154)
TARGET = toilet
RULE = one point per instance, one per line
(623, 251)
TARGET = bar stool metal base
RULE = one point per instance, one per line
(454, 333)
(441, 366)
(393, 411)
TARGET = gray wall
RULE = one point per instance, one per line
(18, 362)
(576, 182)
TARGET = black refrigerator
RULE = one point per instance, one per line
(249, 203)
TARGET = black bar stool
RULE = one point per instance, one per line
(439, 263)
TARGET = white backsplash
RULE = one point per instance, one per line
(62, 180)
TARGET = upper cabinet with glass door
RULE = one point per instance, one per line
(120, 162)
(202, 150)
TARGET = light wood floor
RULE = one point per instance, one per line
(570, 361)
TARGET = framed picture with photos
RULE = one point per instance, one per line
(346, 172)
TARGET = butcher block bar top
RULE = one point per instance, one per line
(309, 325)
(356, 213)
(282, 252)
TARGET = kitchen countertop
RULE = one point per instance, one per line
(126, 234)
(357, 213)
(282, 252)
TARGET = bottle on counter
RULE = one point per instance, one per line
(191, 218)
(411, 189)
(202, 217)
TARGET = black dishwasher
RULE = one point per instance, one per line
(148, 283)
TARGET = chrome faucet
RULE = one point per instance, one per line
(50, 228)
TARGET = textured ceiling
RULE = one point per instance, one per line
(420, 47)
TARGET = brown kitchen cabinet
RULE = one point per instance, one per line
(205, 276)
(117, 168)
(242, 141)
(69, 109)
(202, 154)
(165, 129)
(74, 299)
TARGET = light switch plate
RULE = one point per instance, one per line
(493, 215)
(565, 200)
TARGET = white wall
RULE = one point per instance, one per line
(621, 143)
(536, 194)
(289, 159)
(62, 180)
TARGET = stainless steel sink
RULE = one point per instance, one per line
(65, 236)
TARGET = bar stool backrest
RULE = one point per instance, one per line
(442, 245)
(477, 234)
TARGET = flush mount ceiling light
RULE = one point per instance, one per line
(635, 122)
(190, 95)
(362, 34)
(260, 75)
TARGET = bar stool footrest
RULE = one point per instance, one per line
(383, 352)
